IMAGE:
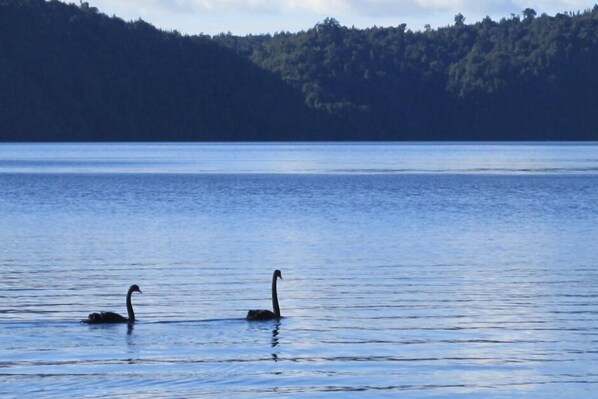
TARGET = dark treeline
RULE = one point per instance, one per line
(526, 77)
(68, 72)
(71, 73)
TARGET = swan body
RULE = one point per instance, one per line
(263, 314)
(111, 317)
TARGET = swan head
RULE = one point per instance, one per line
(134, 288)
(277, 274)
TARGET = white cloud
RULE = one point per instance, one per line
(262, 16)
(318, 6)
(404, 7)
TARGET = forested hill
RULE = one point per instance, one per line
(71, 73)
(525, 77)
(68, 72)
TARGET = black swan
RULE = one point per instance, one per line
(111, 317)
(262, 314)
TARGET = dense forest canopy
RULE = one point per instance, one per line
(68, 72)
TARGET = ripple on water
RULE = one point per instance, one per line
(480, 283)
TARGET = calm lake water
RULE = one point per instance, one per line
(409, 270)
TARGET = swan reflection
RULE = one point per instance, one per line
(275, 342)
(275, 333)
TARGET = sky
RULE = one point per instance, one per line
(243, 17)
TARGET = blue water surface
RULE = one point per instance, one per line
(414, 270)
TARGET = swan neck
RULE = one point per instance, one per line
(275, 305)
(130, 306)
